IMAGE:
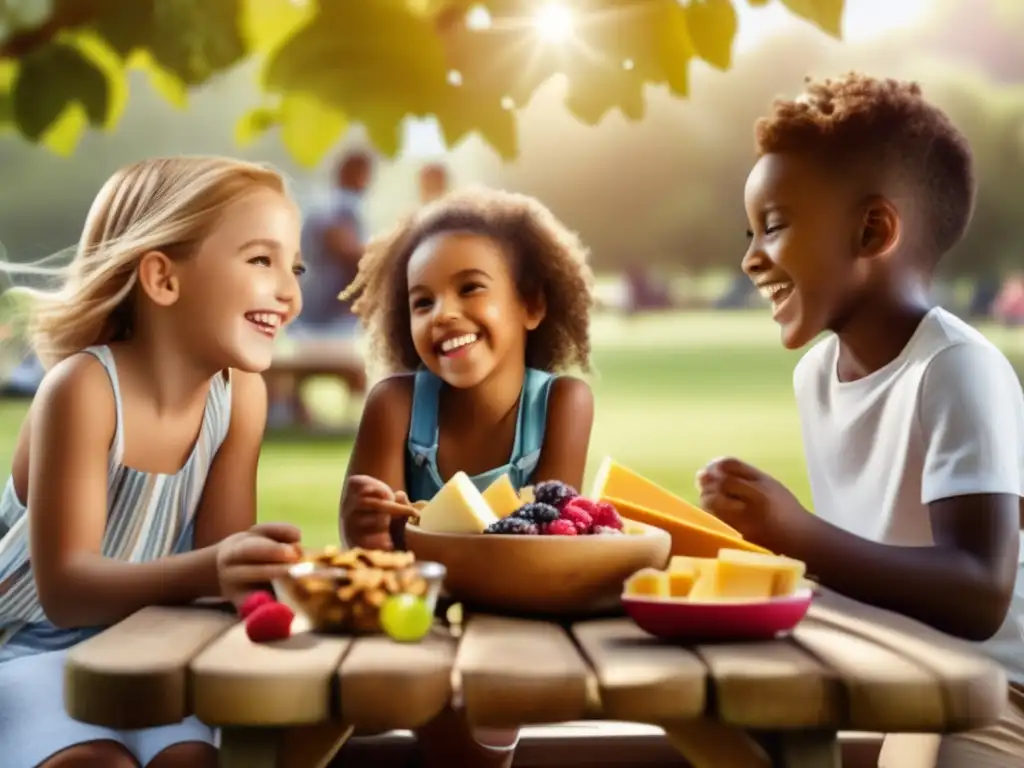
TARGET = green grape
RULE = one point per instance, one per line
(406, 618)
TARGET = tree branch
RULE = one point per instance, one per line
(66, 16)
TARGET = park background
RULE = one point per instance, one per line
(658, 196)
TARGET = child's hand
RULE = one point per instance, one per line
(250, 560)
(367, 508)
(755, 504)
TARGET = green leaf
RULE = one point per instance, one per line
(309, 128)
(63, 135)
(192, 39)
(165, 83)
(375, 62)
(713, 25)
(254, 124)
(462, 114)
(384, 133)
(50, 78)
(675, 49)
(107, 61)
(265, 24)
(825, 14)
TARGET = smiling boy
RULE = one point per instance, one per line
(913, 423)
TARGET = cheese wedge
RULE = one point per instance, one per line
(457, 508)
(687, 538)
(501, 497)
(615, 481)
(742, 572)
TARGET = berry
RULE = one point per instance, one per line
(514, 526)
(269, 622)
(578, 516)
(537, 512)
(254, 601)
(601, 512)
(406, 618)
(561, 527)
(554, 492)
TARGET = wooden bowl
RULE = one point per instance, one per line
(541, 575)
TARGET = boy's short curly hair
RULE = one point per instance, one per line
(548, 260)
(886, 126)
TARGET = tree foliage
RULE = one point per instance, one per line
(328, 64)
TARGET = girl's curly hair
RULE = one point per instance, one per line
(548, 261)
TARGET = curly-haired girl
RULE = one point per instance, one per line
(134, 475)
(477, 304)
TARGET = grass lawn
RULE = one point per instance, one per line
(673, 391)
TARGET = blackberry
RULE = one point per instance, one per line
(554, 492)
(537, 512)
(515, 526)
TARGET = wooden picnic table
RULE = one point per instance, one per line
(846, 667)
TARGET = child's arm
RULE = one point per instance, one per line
(228, 504)
(567, 433)
(72, 425)
(972, 419)
(379, 452)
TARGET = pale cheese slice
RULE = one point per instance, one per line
(457, 508)
(502, 497)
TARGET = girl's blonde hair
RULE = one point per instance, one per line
(162, 204)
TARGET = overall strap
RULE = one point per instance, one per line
(533, 417)
(423, 420)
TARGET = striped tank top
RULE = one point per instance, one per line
(149, 516)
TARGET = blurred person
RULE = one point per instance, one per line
(133, 481)
(332, 244)
(434, 182)
(913, 422)
(1008, 307)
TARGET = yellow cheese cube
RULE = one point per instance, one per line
(457, 508)
(785, 573)
(681, 581)
(648, 582)
(705, 586)
(501, 497)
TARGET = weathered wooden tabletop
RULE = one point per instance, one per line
(845, 667)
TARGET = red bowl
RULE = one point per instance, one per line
(721, 621)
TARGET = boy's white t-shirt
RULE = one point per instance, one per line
(945, 418)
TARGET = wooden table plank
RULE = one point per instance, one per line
(515, 672)
(386, 685)
(639, 677)
(135, 674)
(238, 682)
(771, 685)
(885, 691)
(973, 687)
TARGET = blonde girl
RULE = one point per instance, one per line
(133, 479)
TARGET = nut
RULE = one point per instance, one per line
(351, 600)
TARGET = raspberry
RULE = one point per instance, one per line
(554, 492)
(577, 514)
(254, 601)
(515, 526)
(560, 527)
(601, 512)
(537, 512)
(269, 622)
